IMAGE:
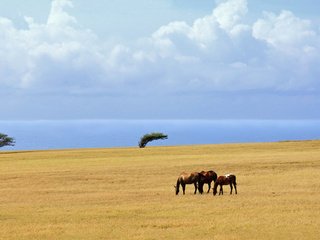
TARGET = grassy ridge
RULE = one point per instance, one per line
(127, 193)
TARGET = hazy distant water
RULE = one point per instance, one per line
(122, 133)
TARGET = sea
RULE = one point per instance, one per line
(67, 134)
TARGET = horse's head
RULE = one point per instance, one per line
(215, 186)
(214, 191)
(201, 181)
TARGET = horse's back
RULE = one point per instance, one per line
(221, 179)
(227, 179)
(182, 177)
(213, 174)
(231, 176)
(189, 178)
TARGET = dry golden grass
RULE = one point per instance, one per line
(127, 193)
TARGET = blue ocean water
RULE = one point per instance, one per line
(60, 134)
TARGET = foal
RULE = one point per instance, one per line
(228, 179)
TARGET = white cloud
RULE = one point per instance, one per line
(226, 16)
(45, 55)
(294, 49)
(216, 52)
(229, 15)
(283, 30)
(58, 16)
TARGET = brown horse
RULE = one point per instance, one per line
(207, 177)
(228, 179)
(185, 178)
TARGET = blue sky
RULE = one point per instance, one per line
(77, 59)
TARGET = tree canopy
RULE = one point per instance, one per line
(5, 140)
(151, 137)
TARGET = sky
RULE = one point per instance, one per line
(168, 59)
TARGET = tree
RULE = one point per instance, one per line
(150, 137)
(6, 141)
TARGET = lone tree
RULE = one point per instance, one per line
(150, 137)
(6, 141)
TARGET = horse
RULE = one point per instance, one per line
(192, 178)
(228, 179)
(208, 177)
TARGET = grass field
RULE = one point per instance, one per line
(128, 193)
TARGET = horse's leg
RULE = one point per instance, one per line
(235, 184)
(195, 188)
(183, 188)
(209, 186)
(200, 187)
(221, 190)
(230, 188)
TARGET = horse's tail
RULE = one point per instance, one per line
(235, 180)
(178, 186)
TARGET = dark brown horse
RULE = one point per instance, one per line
(207, 177)
(186, 178)
(228, 179)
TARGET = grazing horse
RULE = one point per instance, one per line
(207, 177)
(228, 179)
(186, 178)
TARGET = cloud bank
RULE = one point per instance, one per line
(218, 52)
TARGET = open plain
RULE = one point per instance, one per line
(128, 193)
